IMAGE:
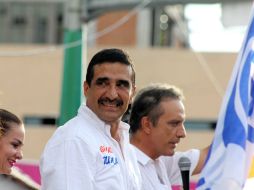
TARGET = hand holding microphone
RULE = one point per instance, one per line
(184, 164)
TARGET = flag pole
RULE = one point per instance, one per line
(72, 69)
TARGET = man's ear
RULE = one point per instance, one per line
(85, 88)
(133, 93)
(146, 125)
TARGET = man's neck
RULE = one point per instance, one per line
(143, 146)
(114, 131)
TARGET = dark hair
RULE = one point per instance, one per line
(147, 103)
(108, 56)
(6, 118)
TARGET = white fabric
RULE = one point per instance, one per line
(166, 167)
(249, 185)
(83, 155)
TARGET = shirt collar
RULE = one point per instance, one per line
(142, 157)
(101, 125)
(83, 109)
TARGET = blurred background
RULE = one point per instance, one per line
(45, 46)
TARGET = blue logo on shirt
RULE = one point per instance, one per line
(110, 160)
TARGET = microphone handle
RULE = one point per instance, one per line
(186, 180)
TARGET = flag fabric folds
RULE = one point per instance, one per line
(229, 160)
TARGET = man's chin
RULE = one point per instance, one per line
(171, 153)
(111, 119)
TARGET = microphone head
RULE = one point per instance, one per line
(184, 163)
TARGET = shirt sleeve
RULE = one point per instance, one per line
(68, 165)
(171, 164)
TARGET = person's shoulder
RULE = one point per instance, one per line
(65, 132)
(68, 128)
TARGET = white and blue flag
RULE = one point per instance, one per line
(231, 154)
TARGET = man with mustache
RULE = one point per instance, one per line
(157, 125)
(92, 150)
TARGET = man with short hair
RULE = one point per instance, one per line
(92, 150)
(157, 125)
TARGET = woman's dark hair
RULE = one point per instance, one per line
(6, 119)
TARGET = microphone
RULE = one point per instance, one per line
(184, 164)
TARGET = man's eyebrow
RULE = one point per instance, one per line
(102, 79)
(126, 82)
(177, 120)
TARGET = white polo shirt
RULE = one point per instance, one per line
(83, 155)
(163, 172)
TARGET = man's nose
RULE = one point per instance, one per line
(112, 92)
(181, 133)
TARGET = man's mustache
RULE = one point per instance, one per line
(117, 102)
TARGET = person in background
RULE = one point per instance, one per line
(12, 134)
(92, 150)
(157, 125)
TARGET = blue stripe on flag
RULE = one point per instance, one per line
(250, 34)
(201, 181)
(252, 98)
(251, 134)
(233, 131)
(250, 127)
(245, 79)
